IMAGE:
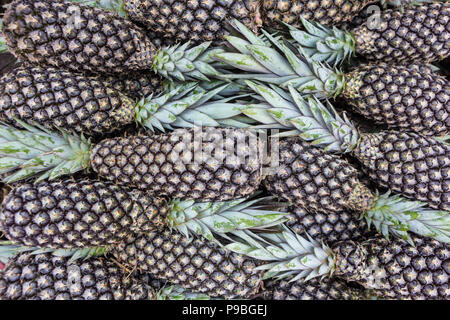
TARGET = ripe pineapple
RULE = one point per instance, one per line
(398, 96)
(392, 269)
(79, 38)
(47, 277)
(195, 265)
(320, 182)
(329, 227)
(185, 164)
(314, 289)
(414, 33)
(58, 98)
(76, 214)
(206, 19)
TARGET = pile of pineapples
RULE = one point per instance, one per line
(352, 201)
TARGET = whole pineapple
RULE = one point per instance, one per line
(394, 269)
(191, 263)
(207, 19)
(72, 214)
(96, 106)
(58, 98)
(412, 33)
(82, 38)
(399, 96)
(47, 277)
(68, 213)
(206, 164)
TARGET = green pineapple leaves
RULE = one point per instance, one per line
(8, 250)
(397, 216)
(41, 153)
(206, 219)
(274, 61)
(286, 254)
(323, 44)
(307, 117)
(182, 62)
(188, 105)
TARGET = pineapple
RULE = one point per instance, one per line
(329, 227)
(185, 164)
(405, 162)
(417, 33)
(95, 106)
(12, 254)
(205, 20)
(320, 182)
(396, 95)
(81, 38)
(314, 289)
(194, 264)
(47, 277)
(75, 214)
(135, 85)
(392, 269)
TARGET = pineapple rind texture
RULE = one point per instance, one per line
(61, 99)
(418, 167)
(395, 268)
(315, 289)
(171, 164)
(76, 37)
(70, 214)
(417, 33)
(329, 227)
(191, 263)
(194, 20)
(47, 277)
(327, 12)
(400, 98)
(312, 179)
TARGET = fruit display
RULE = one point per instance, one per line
(224, 150)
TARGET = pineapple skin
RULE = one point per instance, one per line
(135, 85)
(74, 214)
(47, 277)
(194, 264)
(418, 33)
(401, 97)
(167, 164)
(198, 20)
(329, 227)
(327, 12)
(315, 289)
(75, 37)
(395, 269)
(317, 181)
(58, 98)
(416, 166)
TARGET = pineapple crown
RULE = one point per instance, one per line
(206, 219)
(307, 117)
(285, 254)
(37, 152)
(9, 249)
(274, 61)
(182, 62)
(397, 216)
(187, 105)
(322, 44)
